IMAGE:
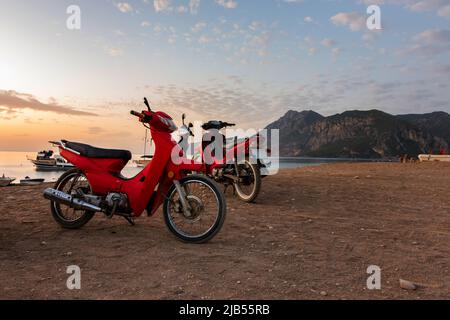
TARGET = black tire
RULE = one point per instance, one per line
(221, 203)
(56, 207)
(250, 197)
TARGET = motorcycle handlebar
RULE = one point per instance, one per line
(142, 116)
(137, 114)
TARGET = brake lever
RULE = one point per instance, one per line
(147, 104)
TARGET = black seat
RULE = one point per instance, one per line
(93, 152)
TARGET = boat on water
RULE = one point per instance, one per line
(47, 161)
(434, 157)
(31, 182)
(5, 181)
(144, 161)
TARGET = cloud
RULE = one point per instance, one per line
(444, 11)
(255, 26)
(425, 5)
(95, 130)
(194, 5)
(182, 9)
(312, 51)
(12, 101)
(430, 42)
(439, 6)
(328, 43)
(114, 52)
(161, 5)
(433, 36)
(199, 26)
(353, 20)
(204, 40)
(124, 7)
(308, 19)
(228, 4)
(336, 52)
(187, 6)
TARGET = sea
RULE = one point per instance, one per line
(16, 164)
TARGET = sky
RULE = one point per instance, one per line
(242, 61)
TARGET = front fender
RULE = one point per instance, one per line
(178, 171)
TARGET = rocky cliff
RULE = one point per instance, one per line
(361, 134)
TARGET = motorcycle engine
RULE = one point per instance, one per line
(218, 174)
(119, 200)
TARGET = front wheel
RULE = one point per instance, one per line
(249, 183)
(207, 214)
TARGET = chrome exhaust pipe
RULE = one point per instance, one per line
(67, 199)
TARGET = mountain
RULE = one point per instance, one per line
(437, 123)
(361, 134)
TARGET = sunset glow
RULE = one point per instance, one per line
(244, 61)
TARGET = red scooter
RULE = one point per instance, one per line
(233, 164)
(194, 207)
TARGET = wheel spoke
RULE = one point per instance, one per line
(205, 210)
(73, 183)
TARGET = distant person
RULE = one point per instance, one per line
(442, 151)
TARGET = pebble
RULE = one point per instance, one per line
(407, 285)
(43, 243)
(323, 293)
(179, 291)
(28, 221)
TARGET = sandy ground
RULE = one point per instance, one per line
(311, 235)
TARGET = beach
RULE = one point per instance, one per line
(311, 234)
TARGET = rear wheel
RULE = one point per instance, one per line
(249, 183)
(72, 182)
(208, 210)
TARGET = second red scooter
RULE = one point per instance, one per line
(227, 161)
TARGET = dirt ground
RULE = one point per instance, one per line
(311, 235)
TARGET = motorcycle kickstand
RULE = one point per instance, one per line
(130, 220)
